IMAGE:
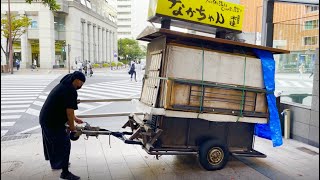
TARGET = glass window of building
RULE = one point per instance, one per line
(310, 40)
(59, 23)
(310, 9)
(313, 24)
(34, 24)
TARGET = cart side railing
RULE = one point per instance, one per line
(106, 114)
(95, 131)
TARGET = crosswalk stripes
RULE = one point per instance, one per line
(105, 90)
(113, 89)
(18, 92)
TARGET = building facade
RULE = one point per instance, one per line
(85, 29)
(132, 18)
(296, 28)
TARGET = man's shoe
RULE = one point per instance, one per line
(69, 176)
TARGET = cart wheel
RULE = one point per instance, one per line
(213, 155)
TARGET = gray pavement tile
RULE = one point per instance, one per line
(99, 176)
(95, 160)
(9, 177)
(79, 171)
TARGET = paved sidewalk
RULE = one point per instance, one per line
(94, 159)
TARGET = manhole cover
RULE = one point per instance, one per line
(9, 166)
(306, 150)
(14, 137)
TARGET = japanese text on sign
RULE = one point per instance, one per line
(211, 12)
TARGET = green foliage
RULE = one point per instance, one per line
(105, 65)
(113, 64)
(19, 26)
(53, 6)
(120, 64)
(129, 49)
(95, 65)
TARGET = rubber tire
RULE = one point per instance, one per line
(203, 153)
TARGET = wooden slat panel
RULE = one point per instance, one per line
(215, 97)
(151, 85)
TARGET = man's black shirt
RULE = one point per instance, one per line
(54, 111)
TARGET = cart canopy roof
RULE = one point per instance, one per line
(151, 33)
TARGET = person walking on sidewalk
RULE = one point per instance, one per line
(18, 64)
(35, 66)
(90, 69)
(56, 113)
(132, 71)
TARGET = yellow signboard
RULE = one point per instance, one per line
(209, 12)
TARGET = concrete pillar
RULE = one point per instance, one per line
(111, 46)
(115, 45)
(94, 43)
(103, 41)
(29, 55)
(24, 51)
(46, 38)
(99, 44)
(89, 41)
(91, 44)
(83, 46)
(85, 32)
(24, 46)
(107, 46)
(314, 122)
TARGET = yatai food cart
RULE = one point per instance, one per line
(201, 95)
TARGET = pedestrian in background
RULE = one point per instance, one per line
(35, 66)
(18, 64)
(301, 70)
(312, 68)
(85, 69)
(132, 71)
(90, 68)
(79, 66)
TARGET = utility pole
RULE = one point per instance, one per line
(69, 50)
(10, 65)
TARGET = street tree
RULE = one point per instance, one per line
(19, 25)
(129, 49)
(52, 4)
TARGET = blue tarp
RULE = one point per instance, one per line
(272, 130)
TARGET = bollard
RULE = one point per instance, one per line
(286, 114)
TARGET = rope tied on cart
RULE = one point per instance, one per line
(243, 87)
(202, 84)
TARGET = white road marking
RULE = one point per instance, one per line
(13, 111)
(4, 124)
(3, 132)
(33, 112)
(16, 102)
(10, 117)
(15, 106)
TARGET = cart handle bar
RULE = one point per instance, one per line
(105, 100)
(107, 115)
